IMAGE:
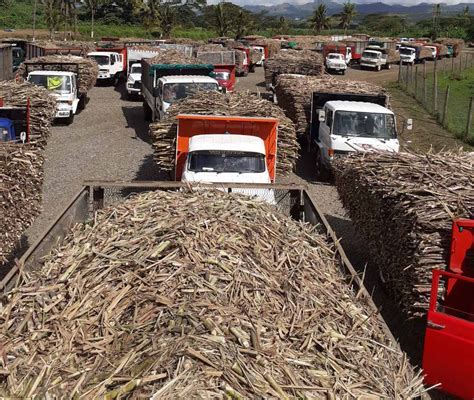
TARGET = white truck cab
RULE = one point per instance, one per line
(111, 65)
(226, 158)
(336, 62)
(374, 59)
(63, 86)
(134, 80)
(175, 87)
(352, 126)
(407, 54)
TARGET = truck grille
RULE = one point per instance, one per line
(137, 85)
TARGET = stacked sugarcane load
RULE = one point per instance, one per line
(274, 45)
(457, 44)
(404, 205)
(197, 295)
(303, 62)
(42, 107)
(79, 48)
(308, 42)
(231, 104)
(87, 69)
(172, 57)
(294, 94)
(21, 167)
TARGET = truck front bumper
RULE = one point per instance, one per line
(367, 65)
(63, 111)
(104, 75)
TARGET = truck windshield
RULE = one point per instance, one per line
(351, 123)
(136, 69)
(370, 54)
(406, 52)
(177, 91)
(226, 161)
(59, 84)
(224, 76)
(102, 60)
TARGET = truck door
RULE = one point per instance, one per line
(348, 55)
(449, 342)
(325, 135)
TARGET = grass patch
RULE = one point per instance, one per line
(461, 88)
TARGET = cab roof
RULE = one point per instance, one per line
(227, 141)
(55, 73)
(357, 106)
(101, 53)
(187, 79)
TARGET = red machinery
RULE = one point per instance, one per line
(225, 76)
(448, 357)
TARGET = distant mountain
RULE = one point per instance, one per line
(418, 11)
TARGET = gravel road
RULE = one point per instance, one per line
(108, 141)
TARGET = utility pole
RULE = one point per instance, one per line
(34, 19)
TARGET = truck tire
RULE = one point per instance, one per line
(252, 68)
(116, 80)
(379, 67)
(70, 119)
(343, 72)
(147, 112)
(82, 103)
(322, 173)
(245, 73)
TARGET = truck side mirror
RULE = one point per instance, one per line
(409, 124)
(23, 137)
(322, 116)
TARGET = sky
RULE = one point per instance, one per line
(401, 2)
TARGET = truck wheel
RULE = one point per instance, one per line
(389, 66)
(70, 119)
(322, 173)
(147, 112)
(245, 73)
(252, 68)
(378, 68)
(82, 103)
(116, 80)
(343, 72)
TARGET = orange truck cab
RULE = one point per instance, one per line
(230, 149)
(224, 74)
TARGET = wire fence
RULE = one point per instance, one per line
(432, 89)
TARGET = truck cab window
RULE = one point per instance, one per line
(329, 116)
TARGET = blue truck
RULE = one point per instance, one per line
(14, 123)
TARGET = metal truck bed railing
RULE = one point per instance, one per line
(292, 200)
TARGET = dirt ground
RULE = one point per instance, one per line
(109, 141)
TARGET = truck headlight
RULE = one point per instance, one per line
(4, 132)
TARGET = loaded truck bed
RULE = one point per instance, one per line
(293, 200)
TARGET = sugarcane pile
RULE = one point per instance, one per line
(232, 104)
(42, 107)
(308, 42)
(172, 57)
(195, 295)
(21, 166)
(304, 62)
(294, 94)
(209, 47)
(87, 68)
(215, 57)
(457, 44)
(274, 45)
(79, 48)
(404, 205)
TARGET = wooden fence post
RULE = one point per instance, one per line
(407, 77)
(416, 81)
(445, 109)
(435, 88)
(452, 63)
(425, 88)
(400, 72)
(469, 120)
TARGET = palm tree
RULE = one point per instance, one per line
(52, 15)
(283, 26)
(92, 6)
(319, 19)
(348, 14)
(167, 18)
(222, 21)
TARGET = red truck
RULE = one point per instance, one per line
(448, 356)
(339, 48)
(224, 74)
